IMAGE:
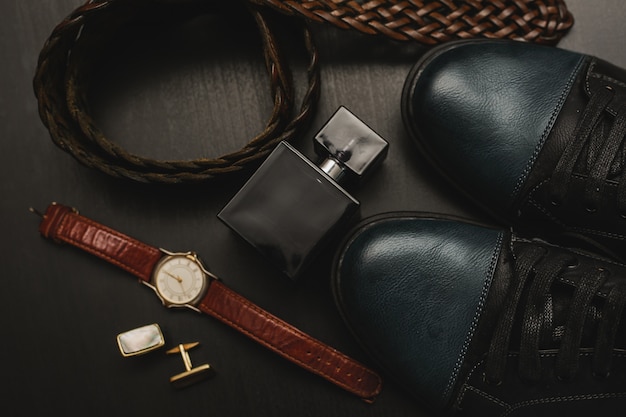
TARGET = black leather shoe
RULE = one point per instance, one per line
(480, 321)
(532, 133)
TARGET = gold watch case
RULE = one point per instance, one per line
(180, 280)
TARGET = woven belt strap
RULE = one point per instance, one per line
(434, 21)
(68, 57)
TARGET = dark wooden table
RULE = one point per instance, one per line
(190, 96)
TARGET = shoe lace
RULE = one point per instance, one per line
(589, 133)
(533, 277)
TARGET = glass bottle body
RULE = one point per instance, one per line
(288, 209)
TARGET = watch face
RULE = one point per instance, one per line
(179, 279)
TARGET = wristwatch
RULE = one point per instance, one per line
(180, 280)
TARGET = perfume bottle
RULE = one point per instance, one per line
(290, 206)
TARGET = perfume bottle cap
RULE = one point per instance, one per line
(350, 147)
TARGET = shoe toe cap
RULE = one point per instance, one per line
(481, 109)
(411, 290)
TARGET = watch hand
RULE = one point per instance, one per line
(176, 277)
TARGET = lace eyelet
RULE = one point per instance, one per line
(555, 202)
(490, 382)
(604, 271)
(591, 209)
(572, 263)
(622, 214)
(564, 379)
(597, 375)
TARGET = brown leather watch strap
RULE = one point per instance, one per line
(63, 224)
(289, 342)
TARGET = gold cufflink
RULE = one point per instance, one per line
(191, 374)
(140, 340)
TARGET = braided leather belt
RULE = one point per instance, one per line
(434, 21)
(60, 85)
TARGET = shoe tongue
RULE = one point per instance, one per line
(560, 308)
(593, 147)
(557, 306)
(600, 75)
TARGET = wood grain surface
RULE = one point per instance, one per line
(202, 91)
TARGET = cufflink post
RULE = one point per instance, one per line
(191, 374)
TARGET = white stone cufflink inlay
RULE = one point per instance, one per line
(140, 340)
